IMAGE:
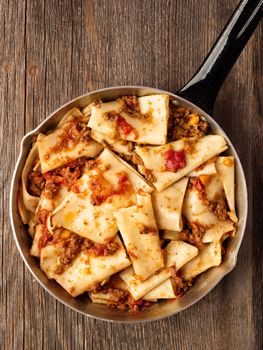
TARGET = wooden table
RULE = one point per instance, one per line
(52, 51)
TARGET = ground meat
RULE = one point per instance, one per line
(124, 301)
(45, 237)
(111, 248)
(196, 234)
(36, 183)
(132, 159)
(74, 132)
(91, 164)
(193, 234)
(131, 103)
(130, 146)
(136, 159)
(96, 103)
(144, 230)
(95, 288)
(183, 124)
(180, 285)
(101, 189)
(71, 175)
(86, 244)
(172, 271)
(128, 159)
(218, 209)
(51, 189)
(203, 126)
(96, 249)
(70, 247)
(79, 132)
(66, 175)
(111, 115)
(148, 174)
(41, 216)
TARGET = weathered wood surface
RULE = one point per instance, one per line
(52, 51)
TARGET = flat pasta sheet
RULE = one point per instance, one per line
(53, 159)
(165, 290)
(86, 270)
(152, 130)
(140, 235)
(97, 222)
(196, 211)
(119, 146)
(167, 206)
(175, 254)
(226, 170)
(46, 204)
(208, 257)
(203, 149)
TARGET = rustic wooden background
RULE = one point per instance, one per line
(52, 51)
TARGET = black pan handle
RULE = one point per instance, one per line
(203, 88)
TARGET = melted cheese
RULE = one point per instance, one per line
(143, 249)
(167, 206)
(153, 158)
(152, 131)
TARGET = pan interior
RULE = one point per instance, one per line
(203, 284)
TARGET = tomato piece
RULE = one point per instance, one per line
(198, 185)
(125, 127)
(174, 160)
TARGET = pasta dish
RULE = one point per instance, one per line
(128, 200)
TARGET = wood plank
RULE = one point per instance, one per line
(12, 94)
(56, 50)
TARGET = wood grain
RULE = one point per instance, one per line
(52, 51)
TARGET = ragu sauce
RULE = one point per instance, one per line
(101, 189)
